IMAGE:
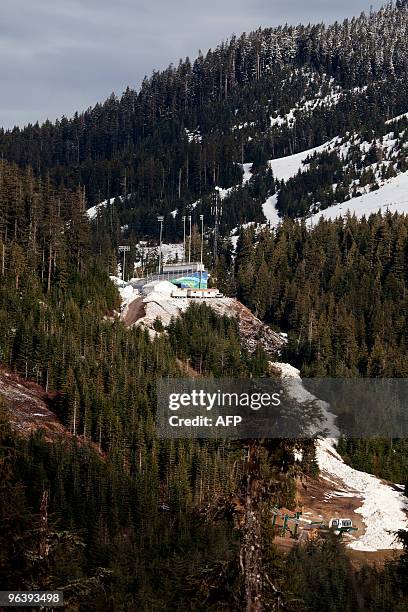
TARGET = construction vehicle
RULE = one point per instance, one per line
(314, 529)
(341, 525)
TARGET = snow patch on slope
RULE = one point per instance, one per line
(383, 508)
(392, 197)
(92, 212)
(310, 105)
(148, 254)
(392, 194)
(395, 119)
(247, 170)
(270, 211)
(284, 168)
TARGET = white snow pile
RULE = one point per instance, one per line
(247, 170)
(126, 291)
(383, 508)
(156, 297)
(162, 288)
(160, 305)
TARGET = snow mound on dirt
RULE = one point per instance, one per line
(383, 508)
(163, 288)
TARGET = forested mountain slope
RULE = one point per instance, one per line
(259, 96)
(169, 525)
(71, 521)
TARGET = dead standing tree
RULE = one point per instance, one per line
(251, 549)
(269, 462)
(262, 480)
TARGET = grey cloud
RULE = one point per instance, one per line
(59, 56)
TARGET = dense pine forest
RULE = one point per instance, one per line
(149, 524)
(115, 517)
(125, 526)
(340, 291)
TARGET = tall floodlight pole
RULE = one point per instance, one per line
(215, 210)
(202, 248)
(160, 220)
(189, 242)
(184, 238)
(124, 250)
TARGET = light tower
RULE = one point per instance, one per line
(160, 219)
(216, 210)
(189, 243)
(124, 249)
(184, 238)
(202, 248)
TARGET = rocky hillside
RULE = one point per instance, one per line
(29, 408)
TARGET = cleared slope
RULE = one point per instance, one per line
(156, 302)
(29, 408)
(284, 168)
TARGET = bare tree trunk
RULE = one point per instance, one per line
(251, 554)
(75, 418)
(49, 271)
(44, 546)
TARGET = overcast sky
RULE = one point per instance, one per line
(59, 56)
